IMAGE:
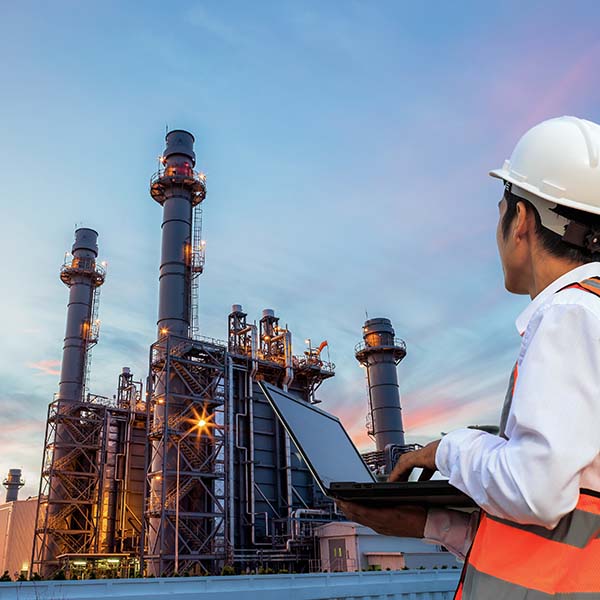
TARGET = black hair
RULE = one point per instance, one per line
(552, 242)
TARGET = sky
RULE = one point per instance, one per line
(346, 145)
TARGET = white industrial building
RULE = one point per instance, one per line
(17, 522)
(348, 546)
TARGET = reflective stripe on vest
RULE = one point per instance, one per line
(512, 561)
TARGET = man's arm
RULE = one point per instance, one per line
(553, 425)
(450, 528)
(401, 521)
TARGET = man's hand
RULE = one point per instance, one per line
(402, 521)
(425, 457)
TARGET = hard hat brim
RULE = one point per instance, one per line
(506, 176)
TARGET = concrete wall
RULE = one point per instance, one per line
(17, 523)
(388, 585)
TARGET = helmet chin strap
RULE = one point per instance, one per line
(570, 231)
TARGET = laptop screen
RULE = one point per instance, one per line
(321, 439)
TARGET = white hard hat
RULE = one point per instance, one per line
(556, 163)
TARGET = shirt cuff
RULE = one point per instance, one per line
(446, 455)
(452, 529)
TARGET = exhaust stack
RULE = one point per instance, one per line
(83, 277)
(13, 483)
(380, 352)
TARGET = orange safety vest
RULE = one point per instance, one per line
(512, 561)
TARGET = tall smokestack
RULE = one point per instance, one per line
(83, 276)
(177, 188)
(13, 483)
(66, 503)
(380, 352)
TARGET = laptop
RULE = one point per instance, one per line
(338, 467)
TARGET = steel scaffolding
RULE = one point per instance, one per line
(90, 497)
(185, 516)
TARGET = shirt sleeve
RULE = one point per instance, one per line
(452, 529)
(533, 477)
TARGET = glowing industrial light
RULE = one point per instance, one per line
(307, 342)
(164, 330)
(201, 423)
(157, 477)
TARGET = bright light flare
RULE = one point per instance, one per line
(203, 422)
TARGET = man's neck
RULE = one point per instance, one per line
(546, 269)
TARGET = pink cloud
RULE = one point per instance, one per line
(581, 77)
(45, 367)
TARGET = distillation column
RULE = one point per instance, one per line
(178, 189)
(380, 353)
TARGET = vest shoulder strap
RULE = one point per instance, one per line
(591, 285)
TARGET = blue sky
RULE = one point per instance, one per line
(346, 146)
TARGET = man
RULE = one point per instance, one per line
(537, 534)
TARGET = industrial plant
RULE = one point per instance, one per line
(186, 469)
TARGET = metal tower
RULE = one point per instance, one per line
(83, 277)
(13, 483)
(380, 352)
(185, 505)
(66, 517)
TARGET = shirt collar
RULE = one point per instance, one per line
(575, 275)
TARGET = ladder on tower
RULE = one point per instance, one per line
(92, 333)
(197, 267)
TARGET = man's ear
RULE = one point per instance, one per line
(524, 222)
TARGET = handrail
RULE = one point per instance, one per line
(178, 171)
(398, 343)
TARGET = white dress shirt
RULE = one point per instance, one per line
(553, 425)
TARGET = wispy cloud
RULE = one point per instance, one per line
(45, 367)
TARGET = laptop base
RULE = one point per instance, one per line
(423, 493)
